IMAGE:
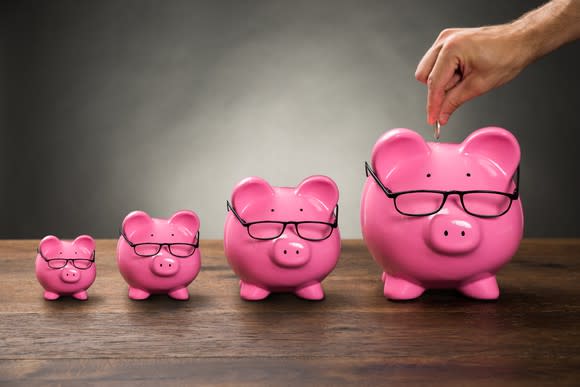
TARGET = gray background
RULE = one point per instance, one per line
(111, 106)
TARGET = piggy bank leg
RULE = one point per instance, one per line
(400, 289)
(251, 292)
(138, 294)
(312, 292)
(179, 294)
(82, 295)
(51, 295)
(482, 289)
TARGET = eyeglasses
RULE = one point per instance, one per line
(148, 249)
(264, 230)
(479, 203)
(59, 263)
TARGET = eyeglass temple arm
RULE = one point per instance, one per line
(230, 208)
(197, 238)
(41, 254)
(336, 217)
(122, 233)
(369, 170)
(517, 189)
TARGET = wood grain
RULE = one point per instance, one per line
(530, 336)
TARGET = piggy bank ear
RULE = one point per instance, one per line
(250, 190)
(396, 146)
(85, 242)
(320, 187)
(135, 221)
(187, 219)
(49, 243)
(496, 144)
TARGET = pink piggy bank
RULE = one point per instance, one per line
(159, 256)
(438, 215)
(66, 268)
(282, 239)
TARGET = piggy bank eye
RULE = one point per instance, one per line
(302, 209)
(428, 175)
(172, 234)
(76, 252)
(468, 174)
(271, 210)
(151, 234)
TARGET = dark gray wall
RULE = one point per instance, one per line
(111, 106)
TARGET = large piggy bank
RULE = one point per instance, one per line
(282, 239)
(66, 268)
(438, 215)
(159, 256)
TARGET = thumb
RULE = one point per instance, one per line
(464, 91)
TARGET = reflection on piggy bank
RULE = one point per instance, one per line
(159, 256)
(66, 268)
(437, 215)
(282, 239)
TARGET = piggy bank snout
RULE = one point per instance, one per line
(70, 275)
(164, 266)
(291, 253)
(449, 234)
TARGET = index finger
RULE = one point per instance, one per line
(441, 75)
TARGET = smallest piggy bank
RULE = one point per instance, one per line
(283, 239)
(159, 256)
(66, 268)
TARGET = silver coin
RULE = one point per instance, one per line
(437, 130)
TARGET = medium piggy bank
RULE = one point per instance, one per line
(159, 256)
(66, 268)
(282, 239)
(438, 215)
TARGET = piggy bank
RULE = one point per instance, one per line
(159, 256)
(438, 215)
(66, 268)
(282, 239)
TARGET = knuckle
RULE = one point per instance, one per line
(446, 33)
(419, 75)
(430, 81)
(434, 83)
(450, 106)
(453, 42)
(453, 104)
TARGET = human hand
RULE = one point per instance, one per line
(464, 63)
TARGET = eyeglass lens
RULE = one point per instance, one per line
(477, 203)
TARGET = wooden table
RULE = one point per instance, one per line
(531, 336)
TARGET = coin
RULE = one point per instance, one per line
(436, 130)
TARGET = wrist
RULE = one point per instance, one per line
(526, 42)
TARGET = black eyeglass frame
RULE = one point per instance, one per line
(393, 195)
(195, 246)
(285, 224)
(67, 260)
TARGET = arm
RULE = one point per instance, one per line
(464, 63)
